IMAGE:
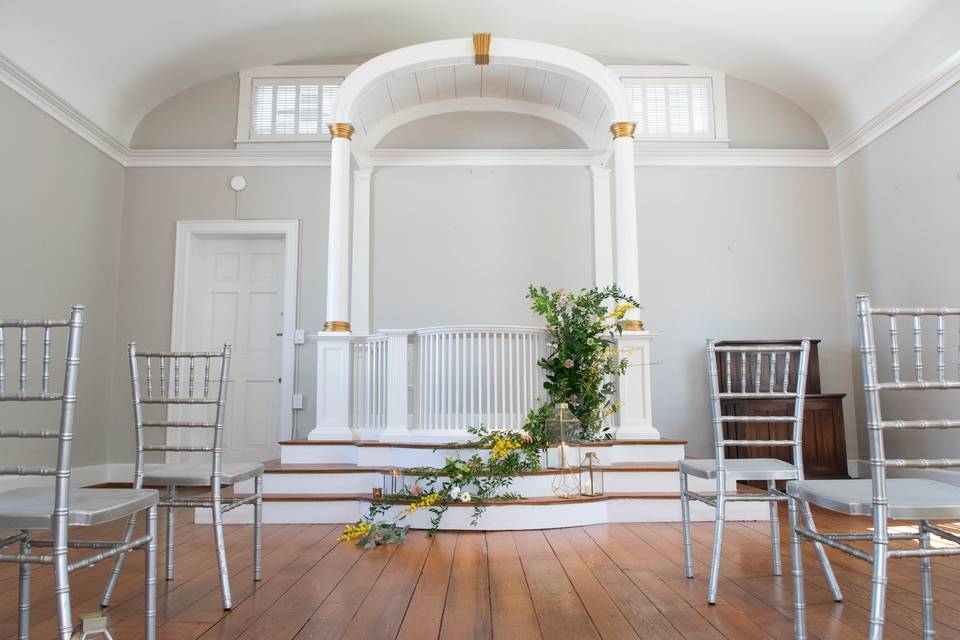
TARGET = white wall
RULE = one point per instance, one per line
(899, 203)
(460, 245)
(737, 253)
(59, 236)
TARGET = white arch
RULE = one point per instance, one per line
(460, 51)
(590, 137)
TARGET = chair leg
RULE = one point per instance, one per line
(685, 517)
(774, 529)
(257, 528)
(173, 496)
(221, 555)
(878, 596)
(822, 555)
(926, 583)
(61, 579)
(150, 577)
(24, 608)
(796, 560)
(717, 548)
(118, 562)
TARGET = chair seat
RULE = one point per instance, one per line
(32, 507)
(908, 498)
(197, 474)
(741, 469)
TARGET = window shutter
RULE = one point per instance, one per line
(300, 108)
(671, 108)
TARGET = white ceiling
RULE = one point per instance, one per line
(843, 61)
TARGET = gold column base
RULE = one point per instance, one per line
(336, 325)
(632, 325)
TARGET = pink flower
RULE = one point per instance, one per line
(568, 363)
(573, 397)
(527, 437)
(416, 490)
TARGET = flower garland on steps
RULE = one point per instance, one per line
(580, 369)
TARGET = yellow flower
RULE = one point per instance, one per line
(620, 310)
(353, 532)
(426, 501)
(501, 447)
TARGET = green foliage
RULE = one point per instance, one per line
(583, 363)
(383, 533)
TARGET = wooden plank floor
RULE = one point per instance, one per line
(605, 581)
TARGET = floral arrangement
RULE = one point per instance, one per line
(581, 369)
(583, 362)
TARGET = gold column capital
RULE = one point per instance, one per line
(623, 129)
(336, 325)
(481, 48)
(341, 130)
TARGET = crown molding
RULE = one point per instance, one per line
(485, 157)
(943, 76)
(681, 157)
(227, 158)
(38, 94)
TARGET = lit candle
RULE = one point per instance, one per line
(588, 486)
(563, 455)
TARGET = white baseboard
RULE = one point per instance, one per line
(861, 469)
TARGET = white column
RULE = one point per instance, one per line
(333, 386)
(360, 266)
(338, 235)
(602, 228)
(398, 386)
(628, 256)
(635, 417)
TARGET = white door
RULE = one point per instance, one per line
(236, 296)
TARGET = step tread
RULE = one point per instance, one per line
(537, 500)
(457, 445)
(276, 467)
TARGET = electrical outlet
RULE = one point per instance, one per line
(298, 336)
(298, 401)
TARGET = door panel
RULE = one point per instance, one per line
(238, 298)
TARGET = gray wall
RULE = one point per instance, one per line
(59, 233)
(899, 203)
(758, 118)
(154, 199)
(732, 253)
(460, 245)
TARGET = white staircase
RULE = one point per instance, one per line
(332, 481)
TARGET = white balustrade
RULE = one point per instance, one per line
(432, 384)
(473, 375)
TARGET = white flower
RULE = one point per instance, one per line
(464, 497)
(454, 492)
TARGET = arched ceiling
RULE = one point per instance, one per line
(843, 62)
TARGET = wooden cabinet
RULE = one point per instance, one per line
(824, 444)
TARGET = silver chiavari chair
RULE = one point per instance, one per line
(181, 380)
(884, 499)
(764, 373)
(56, 508)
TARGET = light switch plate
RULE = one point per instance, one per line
(298, 336)
(298, 401)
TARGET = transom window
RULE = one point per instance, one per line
(288, 103)
(672, 103)
(292, 106)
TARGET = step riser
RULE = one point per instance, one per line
(528, 486)
(500, 518)
(417, 457)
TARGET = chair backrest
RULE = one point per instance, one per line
(179, 379)
(759, 371)
(36, 389)
(921, 320)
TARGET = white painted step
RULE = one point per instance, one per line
(378, 454)
(338, 479)
(533, 514)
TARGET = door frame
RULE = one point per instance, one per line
(191, 231)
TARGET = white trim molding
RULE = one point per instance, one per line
(266, 157)
(189, 231)
(43, 98)
(486, 157)
(941, 78)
